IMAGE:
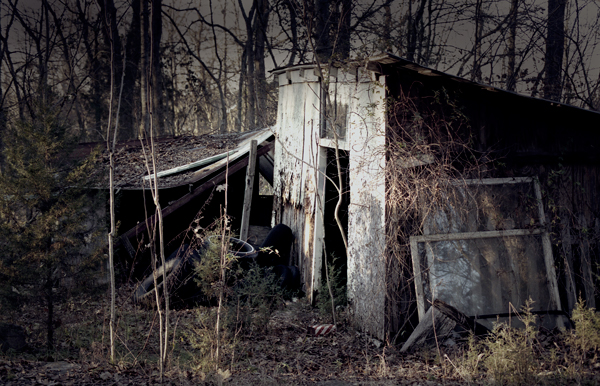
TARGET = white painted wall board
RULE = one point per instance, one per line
(366, 218)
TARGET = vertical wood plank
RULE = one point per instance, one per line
(251, 171)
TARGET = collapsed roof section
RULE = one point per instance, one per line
(195, 179)
(180, 160)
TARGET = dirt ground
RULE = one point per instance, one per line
(285, 352)
(280, 350)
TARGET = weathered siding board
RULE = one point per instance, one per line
(295, 162)
(366, 219)
(573, 212)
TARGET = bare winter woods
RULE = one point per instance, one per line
(206, 63)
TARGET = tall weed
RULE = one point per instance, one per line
(250, 297)
(507, 355)
(338, 288)
(583, 342)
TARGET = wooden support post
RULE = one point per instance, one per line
(251, 171)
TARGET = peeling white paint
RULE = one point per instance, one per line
(296, 160)
(299, 166)
(366, 221)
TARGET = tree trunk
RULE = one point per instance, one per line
(555, 43)
(322, 30)
(260, 29)
(145, 67)
(50, 315)
(293, 30)
(511, 77)
(241, 88)
(476, 71)
(386, 45)
(251, 76)
(344, 29)
(413, 27)
(2, 116)
(132, 74)
(156, 79)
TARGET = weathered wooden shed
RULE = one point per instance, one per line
(532, 219)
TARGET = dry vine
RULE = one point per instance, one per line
(428, 151)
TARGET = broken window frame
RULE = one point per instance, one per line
(542, 230)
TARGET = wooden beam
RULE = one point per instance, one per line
(250, 172)
(193, 165)
(478, 235)
(439, 323)
(242, 151)
(266, 167)
(211, 183)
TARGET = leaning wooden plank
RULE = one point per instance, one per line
(440, 322)
(191, 166)
(242, 151)
(433, 329)
(462, 320)
(248, 191)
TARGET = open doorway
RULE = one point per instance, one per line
(334, 248)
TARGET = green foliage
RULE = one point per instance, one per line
(208, 270)
(256, 295)
(337, 277)
(43, 223)
(250, 297)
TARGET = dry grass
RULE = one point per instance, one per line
(284, 352)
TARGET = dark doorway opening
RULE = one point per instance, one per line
(334, 243)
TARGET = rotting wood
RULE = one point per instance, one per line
(242, 150)
(266, 167)
(128, 246)
(214, 181)
(441, 323)
(251, 170)
(193, 165)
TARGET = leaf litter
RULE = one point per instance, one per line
(285, 352)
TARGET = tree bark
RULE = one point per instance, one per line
(50, 314)
(132, 74)
(156, 78)
(322, 30)
(344, 43)
(555, 43)
(476, 71)
(511, 76)
(145, 68)
(260, 30)
(413, 38)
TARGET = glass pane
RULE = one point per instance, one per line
(482, 276)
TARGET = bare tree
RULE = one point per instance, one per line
(511, 46)
(111, 146)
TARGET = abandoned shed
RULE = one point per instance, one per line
(443, 189)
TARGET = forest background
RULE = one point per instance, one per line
(194, 67)
(209, 61)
